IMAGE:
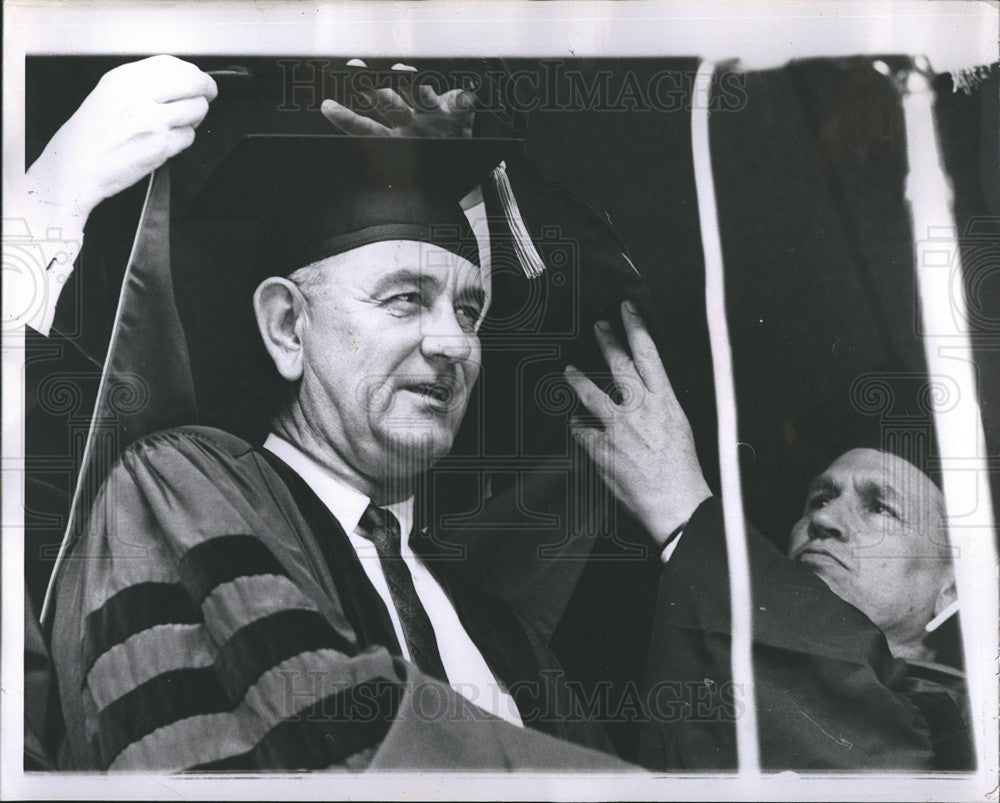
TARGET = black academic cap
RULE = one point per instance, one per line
(319, 195)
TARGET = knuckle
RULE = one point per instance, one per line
(146, 118)
(178, 66)
(163, 145)
(160, 151)
(137, 123)
(118, 75)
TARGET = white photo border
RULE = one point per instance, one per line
(768, 34)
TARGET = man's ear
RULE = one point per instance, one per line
(280, 308)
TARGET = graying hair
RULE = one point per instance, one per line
(309, 279)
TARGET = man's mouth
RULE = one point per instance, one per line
(440, 392)
(829, 556)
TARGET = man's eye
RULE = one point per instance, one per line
(817, 501)
(468, 315)
(404, 302)
(882, 509)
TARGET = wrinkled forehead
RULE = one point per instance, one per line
(874, 469)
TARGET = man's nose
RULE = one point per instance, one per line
(827, 522)
(443, 336)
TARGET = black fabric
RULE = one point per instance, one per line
(161, 700)
(266, 642)
(131, 611)
(829, 694)
(318, 196)
(330, 731)
(607, 658)
(518, 660)
(42, 711)
(502, 638)
(940, 693)
(381, 527)
(147, 313)
(361, 602)
(223, 559)
(516, 653)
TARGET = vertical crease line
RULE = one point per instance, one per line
(747, 746)
(957, 424)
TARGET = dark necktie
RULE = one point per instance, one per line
(381, 528)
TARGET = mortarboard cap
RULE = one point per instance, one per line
(315, 196)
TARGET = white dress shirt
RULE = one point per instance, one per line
(668, 550)
(468, 672)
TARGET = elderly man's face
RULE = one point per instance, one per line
(391, 354)
(873, 530)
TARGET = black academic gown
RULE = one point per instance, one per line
(214, 616)
(829, 693)
(514, 650)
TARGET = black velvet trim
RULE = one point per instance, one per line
(223, 559)
(325, 733)
(266, 642)
(159, 701)
(244, 658)
(131, 611)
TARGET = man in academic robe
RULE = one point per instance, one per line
(531, 689)
(835, 690)
(237, 608)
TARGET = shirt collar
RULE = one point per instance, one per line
(346, 503)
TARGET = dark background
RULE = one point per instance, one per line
(810, 167)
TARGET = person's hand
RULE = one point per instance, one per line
(643, 447)
(413, 111)
(139, 115)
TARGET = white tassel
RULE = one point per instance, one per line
(531, 261)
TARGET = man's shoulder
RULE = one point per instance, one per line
(178, 438)
(190, 484)
(187, 458)
(186, 445)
